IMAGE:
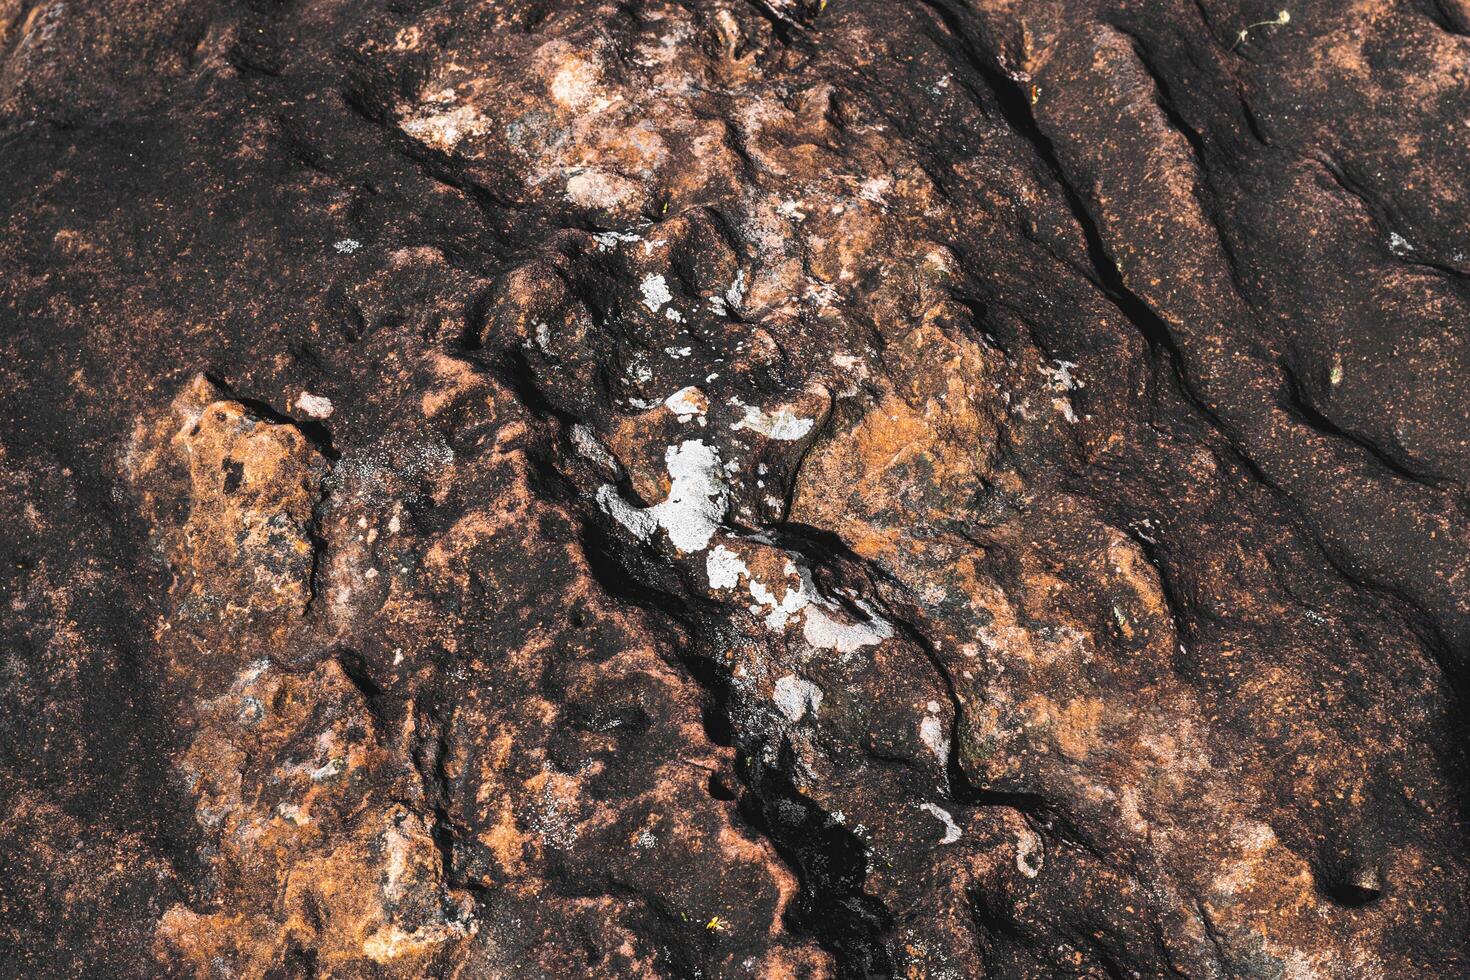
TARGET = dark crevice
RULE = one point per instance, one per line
(356, 669)
(1172, 601)
(316, 573)
(511, 369)
(1295, 402)
(1104, 270)
(629, 581)
(1445, 17)
(830, 860)
(823, 547)
(1423, 622)
(1382, 217)
(1222, 958)
(1252, 124)
(1350, 186)
(441, 829)
(1350, 895)
(833, 865)
(1164, 99)
(317, 434)
(441, 832)
(785, 28)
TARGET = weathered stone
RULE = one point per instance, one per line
(940, 489)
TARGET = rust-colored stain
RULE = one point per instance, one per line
(750, 488)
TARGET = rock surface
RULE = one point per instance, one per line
(914, 488)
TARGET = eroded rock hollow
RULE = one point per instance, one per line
(734, 488)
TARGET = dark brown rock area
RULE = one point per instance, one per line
(734, 488)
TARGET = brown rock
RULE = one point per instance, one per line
(766, 488)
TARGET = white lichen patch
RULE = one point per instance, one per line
(612, 239)
(822, 294)
(1030, 854)
(824, 625)
(371, 472)
(293, 814)
(1254, 836)
(694, 508)
(587, 444)
(931, 733)
(724, 568)
(316, 406)
(550, 819)
(782, 424)
(791, 209)
(655, 290)
(576, 84)
(734, 295)
(793, 599)
(639, 371)
(392, 942)
(1128, 800)
(875, 190)
(796, 698)
(1252, 839)
(687, 403)
(1060, 378)
(951, 829)
(443, 130)
(599, 189)
(824, 631)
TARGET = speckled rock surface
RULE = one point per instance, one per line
(735, 488)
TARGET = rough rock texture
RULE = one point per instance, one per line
(918, 488)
